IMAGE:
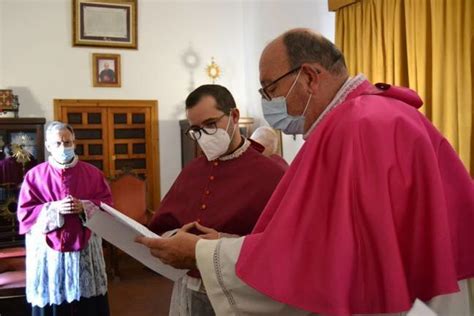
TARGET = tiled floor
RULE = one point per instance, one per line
(139, 292)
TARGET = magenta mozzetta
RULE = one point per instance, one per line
(48, 183)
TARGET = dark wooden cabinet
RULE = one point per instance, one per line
(21, 148)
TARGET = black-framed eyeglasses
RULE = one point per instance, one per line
(263, 91)
(194, 132)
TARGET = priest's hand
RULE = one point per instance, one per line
(203, 231)
(77, 205)
(178, 251)
(68, 205)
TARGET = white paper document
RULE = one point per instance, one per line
(120, 230)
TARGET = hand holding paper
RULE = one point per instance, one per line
(200, 230)
(177, 251)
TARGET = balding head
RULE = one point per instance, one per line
(306, 69)
(298, 46)
(306, 46)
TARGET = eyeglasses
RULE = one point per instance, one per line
(210, 128)
(263, 91)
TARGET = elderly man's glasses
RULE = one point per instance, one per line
(264, 90)
(209, 128)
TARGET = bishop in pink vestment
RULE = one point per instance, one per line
(375, 211)
(381, 212)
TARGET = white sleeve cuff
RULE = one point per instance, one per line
(49, 219)
(216, 260)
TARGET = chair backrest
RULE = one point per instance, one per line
(129, 196)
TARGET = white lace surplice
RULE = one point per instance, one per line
(54, 277)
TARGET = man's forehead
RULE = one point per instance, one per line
(60, 134)
(204, 110)
(273, 62)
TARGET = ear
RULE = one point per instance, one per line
(46, 145)
(235, 115)
(311, 77)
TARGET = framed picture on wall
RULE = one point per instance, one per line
(106, 70)
(105, 23)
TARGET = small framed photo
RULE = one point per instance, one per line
(104, 23)
(106, 70)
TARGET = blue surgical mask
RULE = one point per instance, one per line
(276, 114)
(63, 155)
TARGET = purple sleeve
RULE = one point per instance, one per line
(103, 193)
(30, 205)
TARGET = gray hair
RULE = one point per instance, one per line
(267, 137)
(56, 126)
(304, 46)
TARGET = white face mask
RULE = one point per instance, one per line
(217, 144)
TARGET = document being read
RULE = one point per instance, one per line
(120, 230)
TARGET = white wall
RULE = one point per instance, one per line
(265, 20)
(37, 54)
(42, 64)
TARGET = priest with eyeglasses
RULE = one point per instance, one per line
(221, 193)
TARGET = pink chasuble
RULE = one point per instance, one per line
(47, 183)
(375, 211)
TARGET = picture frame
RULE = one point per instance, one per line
(106, 70)
(105, 23)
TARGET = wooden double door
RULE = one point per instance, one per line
(116, 136)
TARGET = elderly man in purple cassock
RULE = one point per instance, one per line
(65, 269)
(226, 190)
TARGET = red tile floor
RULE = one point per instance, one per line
(139, 291)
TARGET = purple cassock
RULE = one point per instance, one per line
(47, 183)
(225, 195)
(279, 160)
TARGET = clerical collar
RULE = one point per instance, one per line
(350, 85)
(58, 165)
(238, 152)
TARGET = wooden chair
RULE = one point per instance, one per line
(129, 197)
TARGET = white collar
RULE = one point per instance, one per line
(58, 165)
(238, 152)
(350, 85)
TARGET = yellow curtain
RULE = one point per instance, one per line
(426, 45)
